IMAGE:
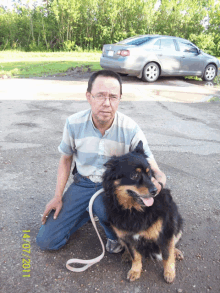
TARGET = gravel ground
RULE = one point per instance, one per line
(185, 140)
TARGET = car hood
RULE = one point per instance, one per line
(210, 56)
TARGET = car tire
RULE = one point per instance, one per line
(210, 73)
(151, 72)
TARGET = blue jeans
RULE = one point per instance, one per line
(73, 215)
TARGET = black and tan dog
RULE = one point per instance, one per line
(146, 223)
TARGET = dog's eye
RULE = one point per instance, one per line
(135, 176)
(148, 171)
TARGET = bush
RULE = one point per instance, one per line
(34, 47)
(204, 42)
(5, 45)
(78, 49)
(68, 46)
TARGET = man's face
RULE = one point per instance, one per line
(103, 112)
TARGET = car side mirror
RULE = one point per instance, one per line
(199, 51)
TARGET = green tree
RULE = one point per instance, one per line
(88, 24)
(66, 13)
(180, 18)
(214, 25)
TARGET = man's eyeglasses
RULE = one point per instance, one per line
(101, 97)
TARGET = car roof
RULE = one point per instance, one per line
(155, 37)
(159, 36)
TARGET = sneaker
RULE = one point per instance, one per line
(113, 246)
(96, 219)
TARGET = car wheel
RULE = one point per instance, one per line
(151, 72)
(210, 72)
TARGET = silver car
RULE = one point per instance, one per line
(151, 56)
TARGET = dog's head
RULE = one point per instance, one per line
(131, 176)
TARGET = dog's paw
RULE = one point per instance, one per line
(125, 258)
(178, 254)
(169, 275)
(133, 275)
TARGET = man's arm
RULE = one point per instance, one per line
(62, 177)
(158, 174)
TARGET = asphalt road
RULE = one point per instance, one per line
(183, 133)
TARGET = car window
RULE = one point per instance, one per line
(157, 45)
(168, 44)
(137, 41)
(186, 47)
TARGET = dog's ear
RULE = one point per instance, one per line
(139, 148)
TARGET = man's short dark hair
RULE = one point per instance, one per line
(106, 73)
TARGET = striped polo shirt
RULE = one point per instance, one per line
(91, 150)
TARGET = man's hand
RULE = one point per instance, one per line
(62, 177)
(55, 204)
(159, 176)
(156, 184)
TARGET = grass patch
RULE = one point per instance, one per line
(216, 80)
(193, 77)
(214, 99)
(30, 64)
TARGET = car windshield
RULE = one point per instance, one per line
(136, 41)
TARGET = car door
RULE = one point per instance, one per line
(168, 56)
(191, 60)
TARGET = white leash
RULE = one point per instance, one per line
(90, 262)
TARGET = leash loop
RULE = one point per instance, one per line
(88, 263)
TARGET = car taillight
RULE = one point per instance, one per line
(123, 53)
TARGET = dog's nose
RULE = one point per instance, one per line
(153, 191)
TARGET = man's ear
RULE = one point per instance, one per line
(88, 96)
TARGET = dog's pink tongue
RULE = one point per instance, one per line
(148, 201)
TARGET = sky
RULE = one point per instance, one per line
(9, 3)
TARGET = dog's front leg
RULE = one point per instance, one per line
(135, 271)
(169, 263)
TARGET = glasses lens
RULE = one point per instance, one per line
(99, 97)
(103, 97)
